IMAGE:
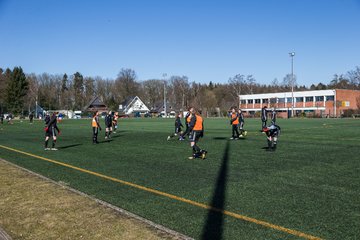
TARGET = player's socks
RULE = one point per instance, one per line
(269, 144)
(46, 143)
(196, 151)
(53, 143)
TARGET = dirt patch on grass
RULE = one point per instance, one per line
(34, 208)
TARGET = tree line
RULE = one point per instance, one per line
(20, 91)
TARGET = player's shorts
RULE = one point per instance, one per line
(177, 129)
(51, 132)
(194, 136)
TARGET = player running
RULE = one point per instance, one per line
(187, 123)
(50, 131)
(108, 125)
(272, 135)
(243, 132)
(178, 126)
(234, 122)
(196, 132)
(95, 127)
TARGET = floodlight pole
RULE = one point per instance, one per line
(36, 111)
(164, 76)
(292, 54)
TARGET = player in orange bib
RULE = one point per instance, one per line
(95, 127)
(234, 122)
(115, 121)
(196, 127)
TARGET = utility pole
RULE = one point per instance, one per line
(164, 76)
(292, 54)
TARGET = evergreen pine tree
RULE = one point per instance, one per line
(16, 90)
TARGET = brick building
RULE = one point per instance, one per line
(330, 103)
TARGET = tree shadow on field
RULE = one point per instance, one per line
(70, 146)
(213, 228)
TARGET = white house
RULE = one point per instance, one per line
(133, 105)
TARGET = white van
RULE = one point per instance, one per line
(77, 114)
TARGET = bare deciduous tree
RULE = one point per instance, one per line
(153, 92)
(126, 84)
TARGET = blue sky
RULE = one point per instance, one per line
(204, 40)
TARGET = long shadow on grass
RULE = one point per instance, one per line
(117, 135)
(213, 228)
(219, 138)
(106, 141)
(70, 146)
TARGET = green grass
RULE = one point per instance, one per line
(310, 184)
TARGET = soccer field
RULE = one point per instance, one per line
(309, 187)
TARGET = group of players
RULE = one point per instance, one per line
(111, 123)
(52, 130)
(194, 128)
(237, 122)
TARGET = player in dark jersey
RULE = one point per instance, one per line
(50, 131)
(47, 118)
(196, 127)
(187, 123)
(272, 135)
(95, 127)
(31, 117)
(243, 132)
(263, 117)
(273, 116)
(108, 125)
(178, 126)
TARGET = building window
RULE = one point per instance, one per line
(289, 99)
(329, 98)
(243, 101)
(265, 100)
(281, 100)
(273, 100)
(257, 100)
(300, 99)
(309, 99)
(250, 101)
(319, 98)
